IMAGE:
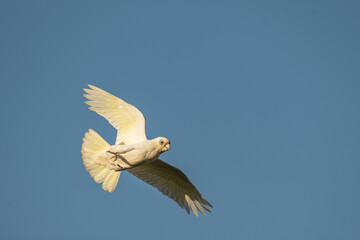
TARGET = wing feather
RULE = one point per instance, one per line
(173, 183)
(126, 118)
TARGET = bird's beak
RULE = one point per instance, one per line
(167, 147)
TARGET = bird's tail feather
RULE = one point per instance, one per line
(93, 143)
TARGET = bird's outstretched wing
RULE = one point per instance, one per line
(173, 183)
(126, 118)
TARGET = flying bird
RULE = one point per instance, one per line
(134, 153)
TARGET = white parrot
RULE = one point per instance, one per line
(134, 153)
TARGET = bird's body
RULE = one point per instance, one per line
(134, 153)
(121, 157)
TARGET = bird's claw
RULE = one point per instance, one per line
(119, 170)
(114, 164)
(116, 155)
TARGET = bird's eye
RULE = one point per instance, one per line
(161, 142)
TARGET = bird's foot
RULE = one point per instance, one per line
(119, 169)
(116, 155)
(115, 166)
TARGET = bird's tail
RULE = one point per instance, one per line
(93, 143)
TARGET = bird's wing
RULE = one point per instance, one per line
(126, 118)
(173, 183)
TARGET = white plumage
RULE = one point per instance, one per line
(134, 153)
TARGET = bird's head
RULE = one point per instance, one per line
(163, 144)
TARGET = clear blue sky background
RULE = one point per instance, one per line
(260, 100)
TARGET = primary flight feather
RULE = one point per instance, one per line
(134, 153)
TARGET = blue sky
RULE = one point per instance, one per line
(260, 100)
